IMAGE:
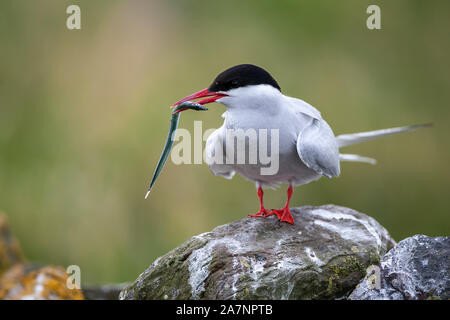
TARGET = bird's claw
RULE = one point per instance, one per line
(284, 215)
(263, 213)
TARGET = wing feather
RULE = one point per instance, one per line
(318, 149)
(217, 163)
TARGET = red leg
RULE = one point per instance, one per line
(284, 214)
(263, 212)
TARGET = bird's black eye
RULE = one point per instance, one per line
(234, 83)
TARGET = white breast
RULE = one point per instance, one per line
(263, 110)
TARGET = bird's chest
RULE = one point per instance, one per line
(267, 141)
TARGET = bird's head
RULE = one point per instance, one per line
(243, 85)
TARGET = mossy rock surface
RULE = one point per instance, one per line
(322, 256)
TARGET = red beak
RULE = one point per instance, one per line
(201, 94)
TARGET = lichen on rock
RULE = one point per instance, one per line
(26, 281)
(416, 268)
(10, 252)
(322, 256)
(32, 282)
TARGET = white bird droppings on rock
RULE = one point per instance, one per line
(313, 257)
(259, 258)
(328, 215)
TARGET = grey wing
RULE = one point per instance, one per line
(215, 155)
(318, 149)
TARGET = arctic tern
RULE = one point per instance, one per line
(307, 146)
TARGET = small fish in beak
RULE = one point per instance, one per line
(186, 105)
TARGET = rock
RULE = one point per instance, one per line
(31, 282)
(24, 281)
(416, 268)
(322, 256)
(10, 252)
(103, 292)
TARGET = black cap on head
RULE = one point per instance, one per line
(240, 76)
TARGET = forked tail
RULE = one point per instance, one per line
(355, 138)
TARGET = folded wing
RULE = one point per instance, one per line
(318, 148)
(215, 155)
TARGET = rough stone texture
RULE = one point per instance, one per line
(103, 292)
(10, 252)
(322, 256)
(32, 282)
(416, 268)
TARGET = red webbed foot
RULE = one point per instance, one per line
(284, 215)
(261, 213)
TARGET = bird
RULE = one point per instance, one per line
(307, 147)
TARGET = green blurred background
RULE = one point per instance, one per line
(84, 116)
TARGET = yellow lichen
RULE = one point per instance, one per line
(10, 252)
(330, 285)
(355, 249)
(244, 263)
(46, 283)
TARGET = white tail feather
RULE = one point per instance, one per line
(354, 138)
(356, 158)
